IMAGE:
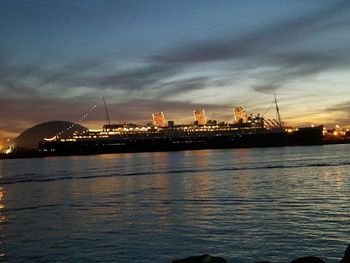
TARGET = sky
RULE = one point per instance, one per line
(58, 58)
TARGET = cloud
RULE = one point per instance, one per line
(266, 89)
(297, 66)
(177, 87)
(284, 51)
(343, 108)
(97, 77)
(260, 42)
(96, 73)
(136, 79)
(261, 48)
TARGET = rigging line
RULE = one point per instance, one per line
(268, 108)
(84, 116)
(104, 102)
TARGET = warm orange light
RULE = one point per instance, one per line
(8, 150)
(50, 139)
(199, 116)
(159, 119)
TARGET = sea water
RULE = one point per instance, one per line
(245, 205)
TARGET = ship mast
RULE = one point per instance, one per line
(278, 112)
(104, 102)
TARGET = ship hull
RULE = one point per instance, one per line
(188, 141)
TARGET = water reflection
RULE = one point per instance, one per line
(162, 161)
(339, 178)
(242, 184)
(242, 154)
(1, 199)
(2, 206)
(2, 220)
(152, 207)
(202, 181)
(202, 158)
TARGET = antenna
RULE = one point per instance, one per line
(278, 111)
(104, 102)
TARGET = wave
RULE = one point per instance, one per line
(36, 178)
(29, 207)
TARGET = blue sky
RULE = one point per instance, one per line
(58, 58)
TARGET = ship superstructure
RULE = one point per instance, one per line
(244, 131)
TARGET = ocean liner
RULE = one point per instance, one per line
(245, 131)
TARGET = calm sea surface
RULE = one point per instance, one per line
(243, 204)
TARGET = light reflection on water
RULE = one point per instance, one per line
(2, 221)
(244, 204)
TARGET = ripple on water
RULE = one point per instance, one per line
(246, 205)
